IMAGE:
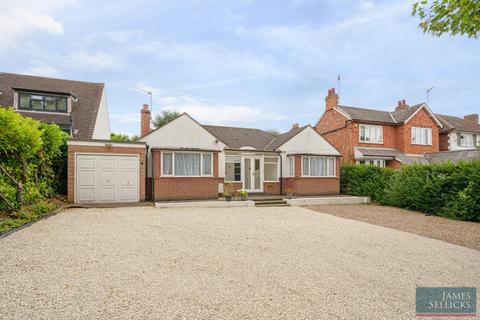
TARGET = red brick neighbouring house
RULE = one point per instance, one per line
(384, 138)
(194, 161)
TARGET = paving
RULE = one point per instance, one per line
(220, 263)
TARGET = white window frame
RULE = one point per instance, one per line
(375, 162)
(290, 166)
(328, 167)
(182, 176)
(421, 131)
(265, 160)
(228, 159)
(370, 127)
(462, 140)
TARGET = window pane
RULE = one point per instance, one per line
(270, 173)
(362, 133)
(207, 164)
(331, 167)
(167, 163)
(61, 104)
(305, 166)
(187, 164)
(291, 166)
(24, 100)
(50, 103)
(238, 171)
(37, 102)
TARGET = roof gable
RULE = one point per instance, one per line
(308, 140)
(84, 109)
(456, 123)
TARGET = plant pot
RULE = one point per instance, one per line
(289, 195)
(228, 198)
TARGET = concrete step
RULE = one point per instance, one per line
(272, 205)
(270, 202)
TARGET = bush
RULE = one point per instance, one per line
(29, 152)
(364, 181)
(450, 190)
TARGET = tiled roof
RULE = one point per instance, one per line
(237, 138)
(456, 123)
(84, 110)
(372, 115)
(453, 156)
(62, 120)
(392, 153)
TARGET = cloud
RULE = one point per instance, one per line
(125, 118)
(95, 61)
(216, 113)
(22, 19)
(43, 70)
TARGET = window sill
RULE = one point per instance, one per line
(368, 142)
(323, 177)
(420, 144)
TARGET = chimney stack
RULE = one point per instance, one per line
(402, 105)
(331, 100)
(295, 126)
(472, 118)
(145, 118)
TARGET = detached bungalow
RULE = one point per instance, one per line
(188, 160)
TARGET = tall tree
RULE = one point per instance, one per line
(165, 117)
(272, 131)
(456, 17)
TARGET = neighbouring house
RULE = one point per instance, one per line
(77, 107)
(189, 160)
(458, 133)
(382, 138)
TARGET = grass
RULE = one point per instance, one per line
(28, 214)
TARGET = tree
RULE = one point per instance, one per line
(457, 17)
(123, 137)
(272, 131)
(165, 117)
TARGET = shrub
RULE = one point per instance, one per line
(365, 180)
(450, 190)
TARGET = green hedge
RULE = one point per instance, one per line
(451, 190)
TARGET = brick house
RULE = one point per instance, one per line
(458, 133)
(189, 160)
(383, 138)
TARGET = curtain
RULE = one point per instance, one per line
(187, 164)
(167, 164)
(331, 166)
(207, 164)
(318, 167)
(305, 166)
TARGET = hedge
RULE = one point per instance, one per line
(450, 190)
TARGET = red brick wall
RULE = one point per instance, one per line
(394, 164)
(443, 143)
(184, 188)
(104, 150)
(421, 120)
(312, 185)
(337, 130)
(271, 188)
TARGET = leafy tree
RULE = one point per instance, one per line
(165, 117)
(272, 131)
(457, 17)
(123, 137)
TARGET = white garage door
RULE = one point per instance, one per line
(106, 178)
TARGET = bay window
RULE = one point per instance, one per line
(422, 136)
(270, 169)
(186, 164)
(371, 134)
(313, 166)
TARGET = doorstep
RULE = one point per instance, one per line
(318, 201)
(205, 204)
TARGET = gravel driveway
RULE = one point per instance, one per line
(239, 263)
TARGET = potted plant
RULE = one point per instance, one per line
(228, 191)
(289, 190)
(243, 194)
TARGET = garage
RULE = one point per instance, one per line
(106, 171)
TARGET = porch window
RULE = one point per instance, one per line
(378, 163)
(270, 169)
(233, 170)
(187, 164)
(313, 166)
(422, 136)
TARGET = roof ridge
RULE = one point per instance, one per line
(244, 128)
(50, 78)
(363, 108)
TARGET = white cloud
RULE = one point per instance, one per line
(43, 70)
(21, 19)
(125, 118)
(95, 61)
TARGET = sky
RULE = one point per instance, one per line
(264, 64)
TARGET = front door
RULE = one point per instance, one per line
(252, 177)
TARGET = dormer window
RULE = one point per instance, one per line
(42, 102)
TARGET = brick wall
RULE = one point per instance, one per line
(337, 130)
(443, 142)
(305, 186)
(103, 150)
(421, 120)
(184, 188)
